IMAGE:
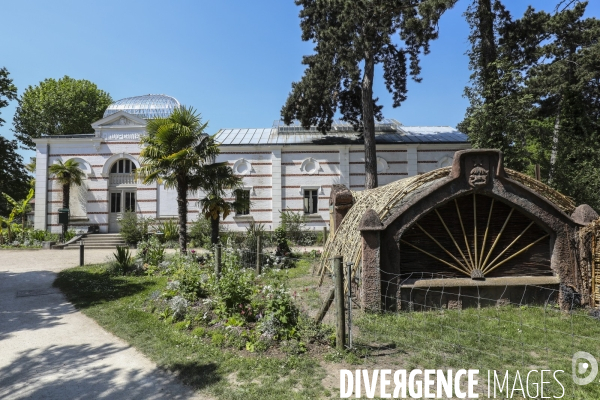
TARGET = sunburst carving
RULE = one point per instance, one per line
(468, 252)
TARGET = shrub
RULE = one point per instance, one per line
(278, 311)
(281, 240)
(199, 233)
(249, 246)
(69, 234)
(170, 231)
(232, 292)
(134, 228)
(123, 260)
(294, 223)
(187, 279)
(151, 251)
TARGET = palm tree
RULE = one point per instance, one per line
(176, 148)
(215, 181)
(68, 174)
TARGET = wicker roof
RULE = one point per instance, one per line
(383, 199)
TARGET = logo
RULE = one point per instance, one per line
(584, 364)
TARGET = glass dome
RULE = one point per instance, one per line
(149, 106)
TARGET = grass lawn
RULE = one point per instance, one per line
(117, 304)
(496, 338)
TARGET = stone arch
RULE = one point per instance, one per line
(84, 165)
(475, 173)
(115, 157)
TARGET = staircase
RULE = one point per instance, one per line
(99, 241)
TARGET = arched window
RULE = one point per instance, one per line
(123, 166)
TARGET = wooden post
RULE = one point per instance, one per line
(325, 307)
(338, 270)
(81, 252)
(218, 261)
(258, 256)
(349, 274)
(538, 174)
(324, 235)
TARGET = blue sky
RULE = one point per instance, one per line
(233, 60)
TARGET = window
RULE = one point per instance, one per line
(311, 201)
(243, 197)
(115, 202)
(123, 167)
(130, 201)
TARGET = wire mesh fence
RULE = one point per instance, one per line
(511, 332)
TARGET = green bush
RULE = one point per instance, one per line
(123, 260)
(169, 230)
(294, 224)
(151, 251)
(199, 233)
(281, 241)
(134, 228)
(69, 234)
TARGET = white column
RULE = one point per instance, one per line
(345, 166)
(412, 159)
(276, 193)
(41, 186)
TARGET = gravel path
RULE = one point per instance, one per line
(49, 350)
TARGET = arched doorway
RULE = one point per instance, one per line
(122, 192)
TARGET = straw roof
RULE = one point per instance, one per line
(347, 239)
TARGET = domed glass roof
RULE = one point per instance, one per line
(149, 106)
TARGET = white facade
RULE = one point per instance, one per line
(279, 170)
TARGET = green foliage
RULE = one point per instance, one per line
(176, 148)
(294, 224)
(68, 174)
(69, 234)
(13, 175)
(58, 107)
(232, 292)
(8, 91)
(151, 251)
(200, 233)
(12, 171)
(534, 91)
(249, 246)
(350, 38)
(169, 229)
(134, 227)
(218, 182)
(121, 306)
(123, 260)
(281, 241)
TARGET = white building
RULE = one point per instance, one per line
(283, 167)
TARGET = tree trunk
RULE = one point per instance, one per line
(486, 17)
(554, 153)
(66, 195)
(369, 124)
(182, 188)
(214, 230)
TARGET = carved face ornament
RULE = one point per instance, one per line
(478, 176)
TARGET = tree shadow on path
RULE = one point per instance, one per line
(81, 372)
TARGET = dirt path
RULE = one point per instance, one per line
(50, 350)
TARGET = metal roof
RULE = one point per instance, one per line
(397, 134)
(149, 106)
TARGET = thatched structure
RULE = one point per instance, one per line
(413, 217)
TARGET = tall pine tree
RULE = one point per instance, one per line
(351, 37)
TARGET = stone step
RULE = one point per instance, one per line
(71, 247)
